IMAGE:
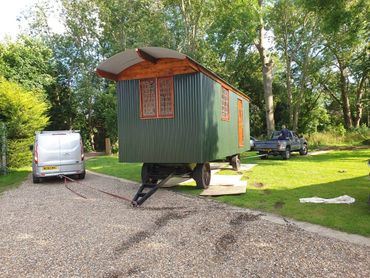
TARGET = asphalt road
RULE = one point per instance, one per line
(48, 231)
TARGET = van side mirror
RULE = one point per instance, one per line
(31, 147)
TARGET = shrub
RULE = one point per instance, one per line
(336, 137)
(23, 112)
(19, 154)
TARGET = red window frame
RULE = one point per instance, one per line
(225, 104)
(158, 114)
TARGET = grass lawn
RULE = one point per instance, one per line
(109, 165)
(14, 178)
(275, 185)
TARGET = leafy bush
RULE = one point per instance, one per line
(23, 112)
(19, 154)
(338, 137)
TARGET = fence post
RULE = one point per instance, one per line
(3, 169)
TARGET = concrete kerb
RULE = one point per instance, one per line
(323, 231)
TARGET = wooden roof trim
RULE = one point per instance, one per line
(215, 77)
(163, 67)
(106, 74)
(146, 56)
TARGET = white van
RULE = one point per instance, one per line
(57, 152)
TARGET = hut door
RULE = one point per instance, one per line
(240, 123)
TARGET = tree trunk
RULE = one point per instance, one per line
(289, 90)
(267, 66)
(345, 100)
(359, 94)
(288, 72)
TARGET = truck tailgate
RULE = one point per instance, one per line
(262, 145)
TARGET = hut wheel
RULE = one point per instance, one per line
(202, 175)
(146, 173)
(235, 162)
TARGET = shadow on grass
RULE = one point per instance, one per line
(353, 218)
(362, 154)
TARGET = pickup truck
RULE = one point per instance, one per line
(283, 147)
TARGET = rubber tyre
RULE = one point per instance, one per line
(235, 162)
(36, 179)
(265, 156)
(304, 150)
(286, 154)
(146, 171)
(202, 175)
(82, 175)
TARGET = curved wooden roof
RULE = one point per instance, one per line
(149, 62)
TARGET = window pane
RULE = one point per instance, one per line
(225, 115)
(148, 98)
(165, 87)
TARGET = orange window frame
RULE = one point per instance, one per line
(172, 114)
(158, 114)
(225, 115)
(142, 116)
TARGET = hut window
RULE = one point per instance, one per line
(148, 98)
(225, 108)
(156, 98)
(165, 91)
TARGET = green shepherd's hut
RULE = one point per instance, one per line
(175, 115)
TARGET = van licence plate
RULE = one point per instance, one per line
(267, 150)
(49, 168)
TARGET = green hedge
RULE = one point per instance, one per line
(19, 154)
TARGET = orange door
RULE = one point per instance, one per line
(240, 123)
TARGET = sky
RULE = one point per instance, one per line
(12, 9)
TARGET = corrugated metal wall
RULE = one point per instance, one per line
(174, 140)
(196, 134)
(221, 137)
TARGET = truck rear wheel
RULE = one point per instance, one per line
(235, 162)
(304, 150)
(263, 155)
(202, 175)
(286, 153)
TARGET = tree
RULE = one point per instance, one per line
(27, 62)
(267, 67)
(344, 27)
(240, 27)
(298, 43)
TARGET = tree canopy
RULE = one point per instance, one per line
(303, 63)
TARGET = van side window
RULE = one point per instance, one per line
(225, 106)
(156, 98)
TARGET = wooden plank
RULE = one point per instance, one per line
(163, 68)
(106, 74)
(147, 57)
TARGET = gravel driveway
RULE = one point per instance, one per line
(47, 231)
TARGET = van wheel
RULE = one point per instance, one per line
(202, 175)
(82, 176)
(235, 162)
(36, 179)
